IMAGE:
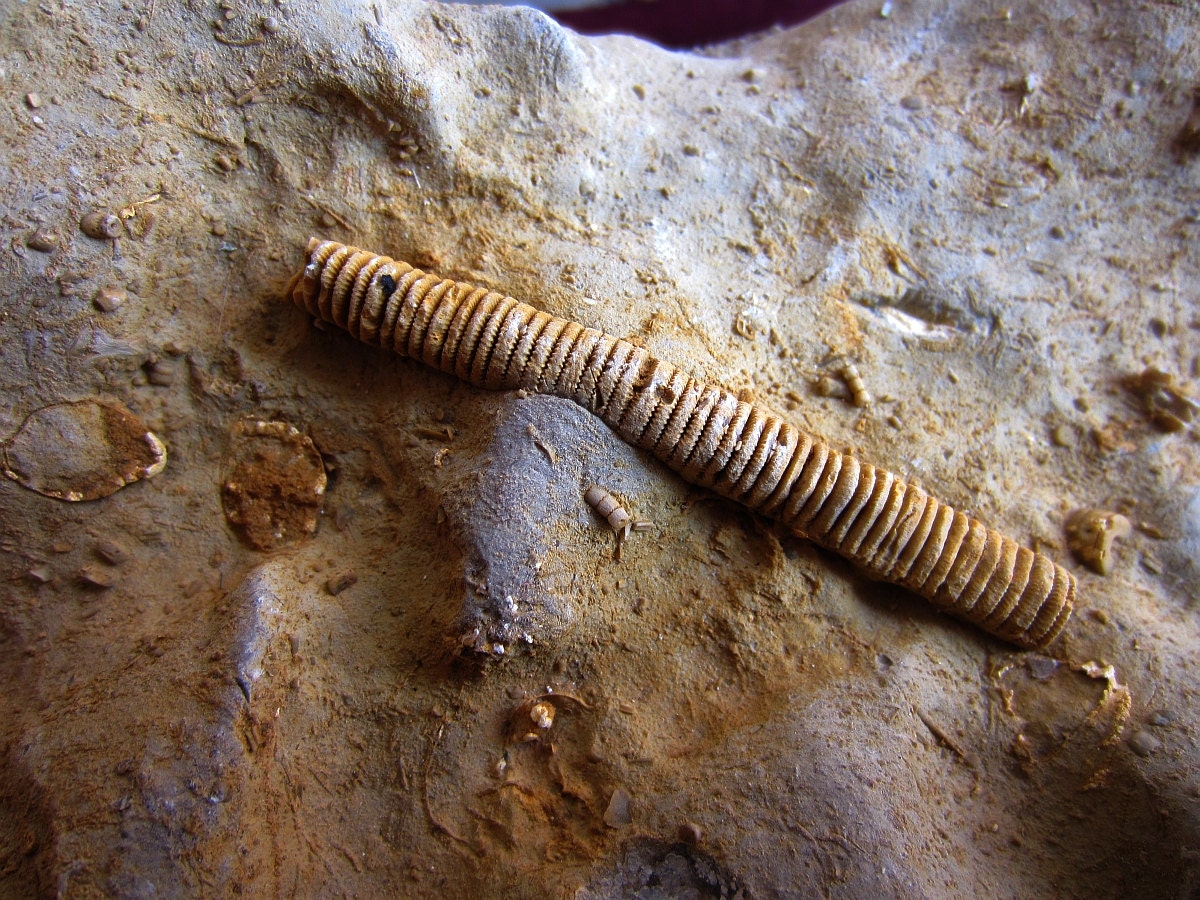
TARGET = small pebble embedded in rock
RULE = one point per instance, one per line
(618, 814)
(338, 583)
(111, 552)
(100, 225)
(1144, 744)
(42, 241)
(110, 299)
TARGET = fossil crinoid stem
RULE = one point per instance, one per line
(893, 531)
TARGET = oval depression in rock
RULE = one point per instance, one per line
(82, 450)
(276, 479)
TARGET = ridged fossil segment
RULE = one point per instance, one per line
(894, 531)
(610, 508)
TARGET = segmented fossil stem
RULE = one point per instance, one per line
(894, 531)
(610, 508)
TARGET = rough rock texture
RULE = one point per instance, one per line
(517, 516)
(991, 210)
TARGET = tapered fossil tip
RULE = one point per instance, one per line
(288, 295)
(293, 292)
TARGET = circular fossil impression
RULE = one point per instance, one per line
(82, 450)
(276, 479)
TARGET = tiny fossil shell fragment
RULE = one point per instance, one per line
(533, 719)
(542, 714)
(1090, 535)
(82, 451)
(611, 509)
(110, 299)
(160, 372)
(111, 552)
(1167, 403)
(42, 241)
(859, 395)
(893, 531)
(96, 579)
(100, 225)
(335, 584)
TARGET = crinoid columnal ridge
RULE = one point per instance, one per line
(892, 530)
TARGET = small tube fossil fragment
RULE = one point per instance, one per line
(893, 531)
(1090, 535)
(611, 509)
(859, 395)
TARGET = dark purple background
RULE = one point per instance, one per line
(691, 23)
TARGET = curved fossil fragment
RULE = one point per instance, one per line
(610, 509)
(892, 530)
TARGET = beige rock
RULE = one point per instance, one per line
(993, 215)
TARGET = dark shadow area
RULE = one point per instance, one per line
(682, 23)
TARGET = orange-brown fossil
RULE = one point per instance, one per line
(892, 530)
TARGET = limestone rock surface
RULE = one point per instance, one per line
(990, 210)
